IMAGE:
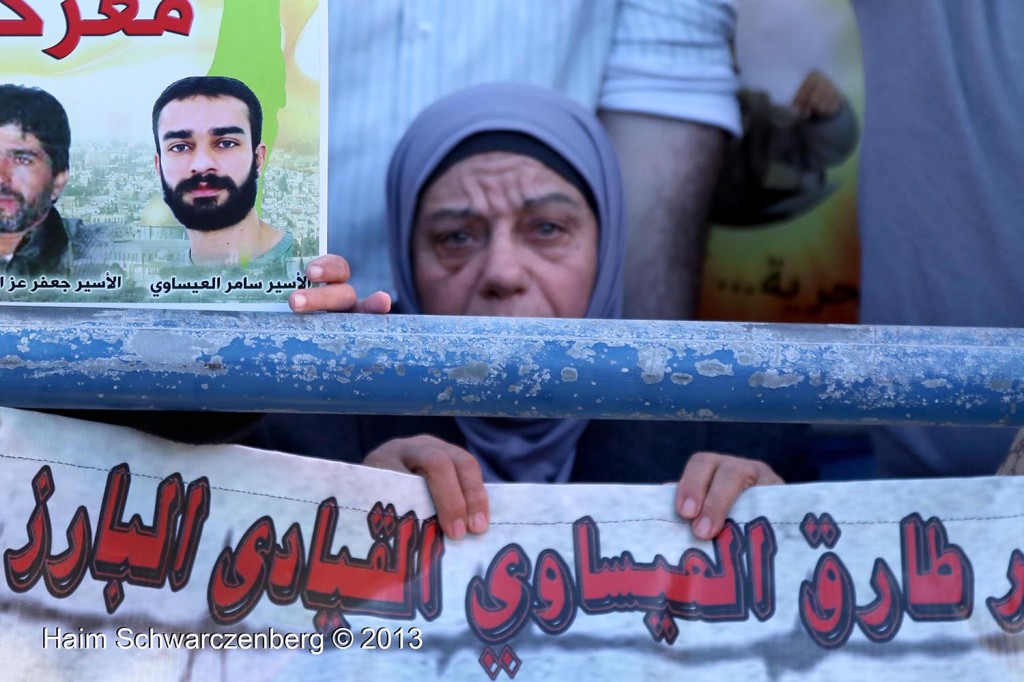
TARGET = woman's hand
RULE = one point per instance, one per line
(710, 485)
(337, 295)
(453, 477)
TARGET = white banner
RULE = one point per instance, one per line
(128, 557)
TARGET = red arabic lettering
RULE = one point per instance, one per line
(391, 581)
(75, 28)
(171, 16)
(938, 585)
(65, 571)
(430, 552)
(761, 550)
(143, 554)
(23, 567)
(1008, 611)
(380, 584)
(555, 599)
(937, 576)
(28, 23)
(287, 567)
(498, 605)
(197, 510)
(132, 552)
(120, 16)
(826, 603)
(881, 619)
(62, 573)
(699, 588)
(239, 576)
(257, 565)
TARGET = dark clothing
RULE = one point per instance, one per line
(58, 247)
(194, 428)
(45, 251)
(609, 451)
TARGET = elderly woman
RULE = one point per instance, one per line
(506, 200)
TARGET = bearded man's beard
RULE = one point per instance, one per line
(205, 214)
(26, 213)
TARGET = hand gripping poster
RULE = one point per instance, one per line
(129, 557)
(159, 152)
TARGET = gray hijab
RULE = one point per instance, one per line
(524, 450)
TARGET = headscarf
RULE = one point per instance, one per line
(525, 450)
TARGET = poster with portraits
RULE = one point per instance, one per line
(160, 152)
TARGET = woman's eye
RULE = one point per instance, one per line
(548, 229)
(454, 239)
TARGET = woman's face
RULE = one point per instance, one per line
(502, 234)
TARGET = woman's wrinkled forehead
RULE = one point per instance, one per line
(512, 142)
(492, 187)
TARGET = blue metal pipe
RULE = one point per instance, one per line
(263, 361)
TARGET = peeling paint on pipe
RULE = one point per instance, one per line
(262, 361)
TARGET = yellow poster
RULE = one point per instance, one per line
(159, 152)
